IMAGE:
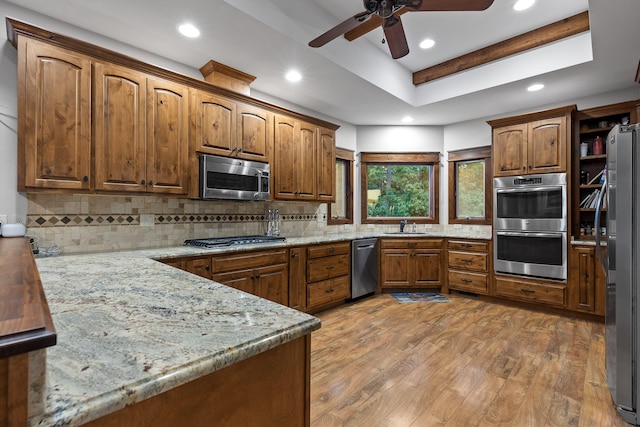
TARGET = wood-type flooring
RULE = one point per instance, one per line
(462, 363)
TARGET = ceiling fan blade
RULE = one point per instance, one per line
(448, 5)
(396, 39)
(340, 29)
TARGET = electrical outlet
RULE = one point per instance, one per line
(371, 226)
(457, 225)
(347, 226)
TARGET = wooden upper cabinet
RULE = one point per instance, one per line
(326, 165)
(119, 128)
(214, 123)
(254, 134)
(294, 159)
(510, 150)
(232, 129)
(547, 146)
(167, 136)
(54, 117)
(532, 143)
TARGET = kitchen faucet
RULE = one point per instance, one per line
(402, 224)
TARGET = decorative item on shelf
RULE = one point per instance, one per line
(603, 124)
(584, 149)
(584, 128)
(597, 146)
(625, 120)
(603, 174)
(584, 177)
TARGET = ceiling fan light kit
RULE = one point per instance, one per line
(387, 14)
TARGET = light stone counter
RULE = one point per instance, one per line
(130, 328)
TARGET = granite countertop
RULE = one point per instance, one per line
(130, 328)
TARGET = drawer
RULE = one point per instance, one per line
(328, 291)
(245, 260)
(468, 261)
(472, 282)
(553, 294)
(330, 249)
(468, 246)
(326, 268)
(411, 243)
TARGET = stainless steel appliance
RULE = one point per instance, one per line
(233, 179)
(364, 267)
(214, 242)
(622, 266)
(530, 225)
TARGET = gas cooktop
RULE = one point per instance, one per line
(231, 241)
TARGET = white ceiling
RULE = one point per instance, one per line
(358, 82)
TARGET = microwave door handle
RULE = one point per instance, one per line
(596, 223)
(528, 234)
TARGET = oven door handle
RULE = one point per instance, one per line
(528, 189)
(529, 234)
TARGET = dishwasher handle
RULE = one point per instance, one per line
(365, 247)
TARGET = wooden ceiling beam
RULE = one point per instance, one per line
(549, 33)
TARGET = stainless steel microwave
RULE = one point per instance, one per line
(233, 179)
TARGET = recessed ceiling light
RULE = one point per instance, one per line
(293, 76)
(535, 87)
(523, 4)
(427, 43)
(189, 30)
(407, 119)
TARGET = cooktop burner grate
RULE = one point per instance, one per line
(231, 241)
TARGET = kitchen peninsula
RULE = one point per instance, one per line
(150, 344)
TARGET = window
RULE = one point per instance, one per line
(470, 186)
(399, 185)
(341, 211)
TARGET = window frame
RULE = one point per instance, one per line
(465, 155)
(346, 156)
(414, 158)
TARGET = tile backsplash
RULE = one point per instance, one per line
(96, 223)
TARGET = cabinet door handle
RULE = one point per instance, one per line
(151, 182)
(527, 291)
(294, 255)
(142, 182)
(207, 268)
(85, 179)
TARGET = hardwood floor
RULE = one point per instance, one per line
(461, 363)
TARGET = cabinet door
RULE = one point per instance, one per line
(297, 275)
(285, 168)
(119, 128)
(427, 267)
(306, 162)
(547, 146)
(587, 281)
(272, 283)
(242, 280)
(55, 115)
(395, 267)
(167, 137)
(509, 153)
(326, 165)
(199, 266)
(214, 124)
(255, 133)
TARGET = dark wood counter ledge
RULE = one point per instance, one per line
(25, 326)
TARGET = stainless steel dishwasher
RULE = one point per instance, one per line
(364, 267)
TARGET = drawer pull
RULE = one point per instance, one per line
(465, 245)
(466, 280)
(331, 250)
(467, 260)
(329, 290)
(527, 291)
(330, 267)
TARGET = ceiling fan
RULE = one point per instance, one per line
(387, 13)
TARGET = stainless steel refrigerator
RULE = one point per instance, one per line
(621, 265)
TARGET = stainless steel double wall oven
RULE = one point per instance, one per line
(530, 225)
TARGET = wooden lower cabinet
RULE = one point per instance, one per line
(468, 263)
(271, 389)
(199, 266)
(532, 290)
(411, 263)
(264, 273)
(587, 281)
(328, 275)
(297, 278)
